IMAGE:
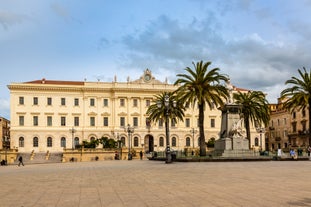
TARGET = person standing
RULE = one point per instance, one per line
(141, 155)
(309, 152)
(20, 159)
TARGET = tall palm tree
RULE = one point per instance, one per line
(166, 106)
(298, 96)
(202, 86)
(255, 109)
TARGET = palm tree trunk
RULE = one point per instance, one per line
(201, 128)
(248, 132)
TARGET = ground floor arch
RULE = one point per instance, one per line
(149, 143)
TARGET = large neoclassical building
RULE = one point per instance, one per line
(49, 115)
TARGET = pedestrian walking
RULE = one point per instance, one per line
(141, 155)
(20, 159)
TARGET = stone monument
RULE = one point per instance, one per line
(232, 141)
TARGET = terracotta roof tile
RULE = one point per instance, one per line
(56, 82)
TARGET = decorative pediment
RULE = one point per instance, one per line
(92, 114)
(122, 114)
(105, 114)
(135, 114)
(148, 78)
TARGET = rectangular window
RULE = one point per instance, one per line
(135, 121)
(294, 125)
(49, 120)
(35, 100)
(76, 102)
(122, 121)
(63, 101)
(135, 102)
(21, 100)
(35, 120)
(303, 113)
(92, 121)
(63, 121)
(106, 102)
(160, 123)
(212, 123)
(21, 120)
(76, 121)
(148, 122)
(173, 123)
(284, 121)
(147, 103)
(106, 121)
(92, 102)
(304, 126)
(122, 102)
(187, 122)
(49, 101)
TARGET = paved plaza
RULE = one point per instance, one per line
(153, 183)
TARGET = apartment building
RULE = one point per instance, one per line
(287, 129)
(4, 132)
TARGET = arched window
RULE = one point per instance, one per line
(21, 142)
(123, 141)
(76, 142)
(174, 142)
(135, 141)
(256, 142)
(49, 142)
(188, 141)
(92, 139)
(161, 142)
(35, 142)
(63, 142)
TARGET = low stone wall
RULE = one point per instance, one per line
(10, 155)
(87, 155)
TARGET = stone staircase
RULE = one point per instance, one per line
(40, 158)
(240, 153)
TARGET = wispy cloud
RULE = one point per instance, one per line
(9, 19)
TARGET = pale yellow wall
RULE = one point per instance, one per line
(113, 91)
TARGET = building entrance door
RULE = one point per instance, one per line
(149, 143)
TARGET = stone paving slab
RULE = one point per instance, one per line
(122, 183)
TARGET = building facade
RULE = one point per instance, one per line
(287, 129)
(51, 115)
(4, 133)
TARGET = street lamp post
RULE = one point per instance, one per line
(167, 106)
(193, 131)
(129, 131)
(73, 130)
(119, 146)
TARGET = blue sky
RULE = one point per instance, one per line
(259, 43)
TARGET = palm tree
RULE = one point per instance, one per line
(255, 109)
(202, 86)
(298, 96)
(166, 106)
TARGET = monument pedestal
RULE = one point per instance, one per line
(233, 147)
(232, 141)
